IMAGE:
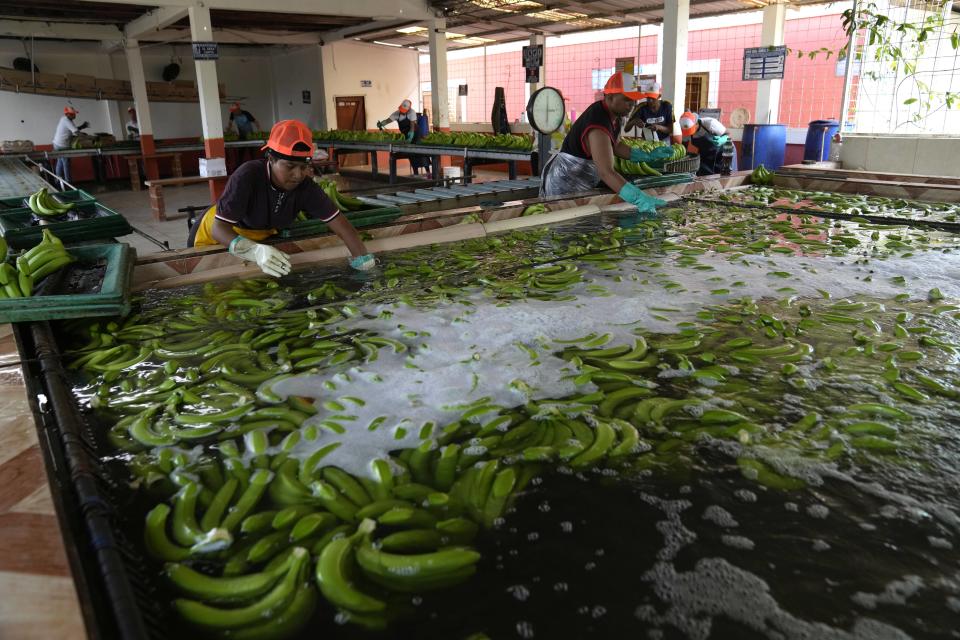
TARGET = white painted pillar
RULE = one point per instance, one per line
(768, 91)
(210, 117)
(139, 87)
(438, 74)
(676, 21)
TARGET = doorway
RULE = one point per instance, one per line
(351, 116)
(695, 96)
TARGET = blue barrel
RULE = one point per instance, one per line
(819, 135)
(423, 124)
(763, 144)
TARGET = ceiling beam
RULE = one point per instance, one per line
(153, 21)
(374, 27)
(377, 9)
(59, 30)
(238, 36)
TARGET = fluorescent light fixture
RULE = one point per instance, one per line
(411, 30)
(387, 44)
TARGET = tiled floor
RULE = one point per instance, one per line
(39, 600)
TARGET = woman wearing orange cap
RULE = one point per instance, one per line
(586, 156)
(654, 113)
(265, 195)
(62, 138)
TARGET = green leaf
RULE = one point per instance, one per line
(955, 40)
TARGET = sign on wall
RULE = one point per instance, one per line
(624, 64)
(764, 63)
(306, 96)
(461, 90)
(206, 51)
(366, 83)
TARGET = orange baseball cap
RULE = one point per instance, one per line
(688, 123)
(404, 106)
(625, 83)
(653, 91)
(69, 111)
(235, 106)
(291, 139)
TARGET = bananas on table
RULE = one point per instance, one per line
(627, 167)
(43, 203)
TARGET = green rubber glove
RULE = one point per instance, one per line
(720, 140)
(634, 195)
(381, 123)
(410, 136)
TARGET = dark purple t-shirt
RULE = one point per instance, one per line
(250, 201)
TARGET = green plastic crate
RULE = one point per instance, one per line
(112, 300)
(21, 230)
(73, 195)
(361, 218)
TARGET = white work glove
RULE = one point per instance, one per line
(272, 262)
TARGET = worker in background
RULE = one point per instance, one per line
(133, 127)
(63, 138)
(587, 153)
(265, 195)
(406, 119)
(243, 122)
(707, 137)
(654, 113)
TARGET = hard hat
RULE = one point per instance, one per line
(291, 140)
(653, 91)
(404, 106)
(235, 107)
(625, 83)
(688, 123)
(69, 111)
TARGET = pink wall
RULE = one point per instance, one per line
(810, 90)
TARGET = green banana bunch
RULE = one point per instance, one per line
(43, 203)
(33, 265)
(534, 209)
(761, 176)
(343, 202)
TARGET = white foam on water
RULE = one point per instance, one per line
(720, 516)
(472, 350)
(895, 592)
(738, 542)
(716, 588)
(818, 511)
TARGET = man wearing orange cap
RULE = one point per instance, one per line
(63, 137)
(406, 119)
(654, 114)
(708, 137)
(586, 156)
(265, 195)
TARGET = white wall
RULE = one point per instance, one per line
(294, 71)
(244, 71)
(394, 74)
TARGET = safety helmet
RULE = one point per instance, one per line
(688, 123)
(404, 106)
(69, 111)
(235, 107)
(625, 83)
(290, 140)
(653, 91)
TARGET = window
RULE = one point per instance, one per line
(696, 92)
(599, 78)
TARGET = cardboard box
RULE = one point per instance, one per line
(213, 167)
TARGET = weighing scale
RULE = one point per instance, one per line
(545, 112)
